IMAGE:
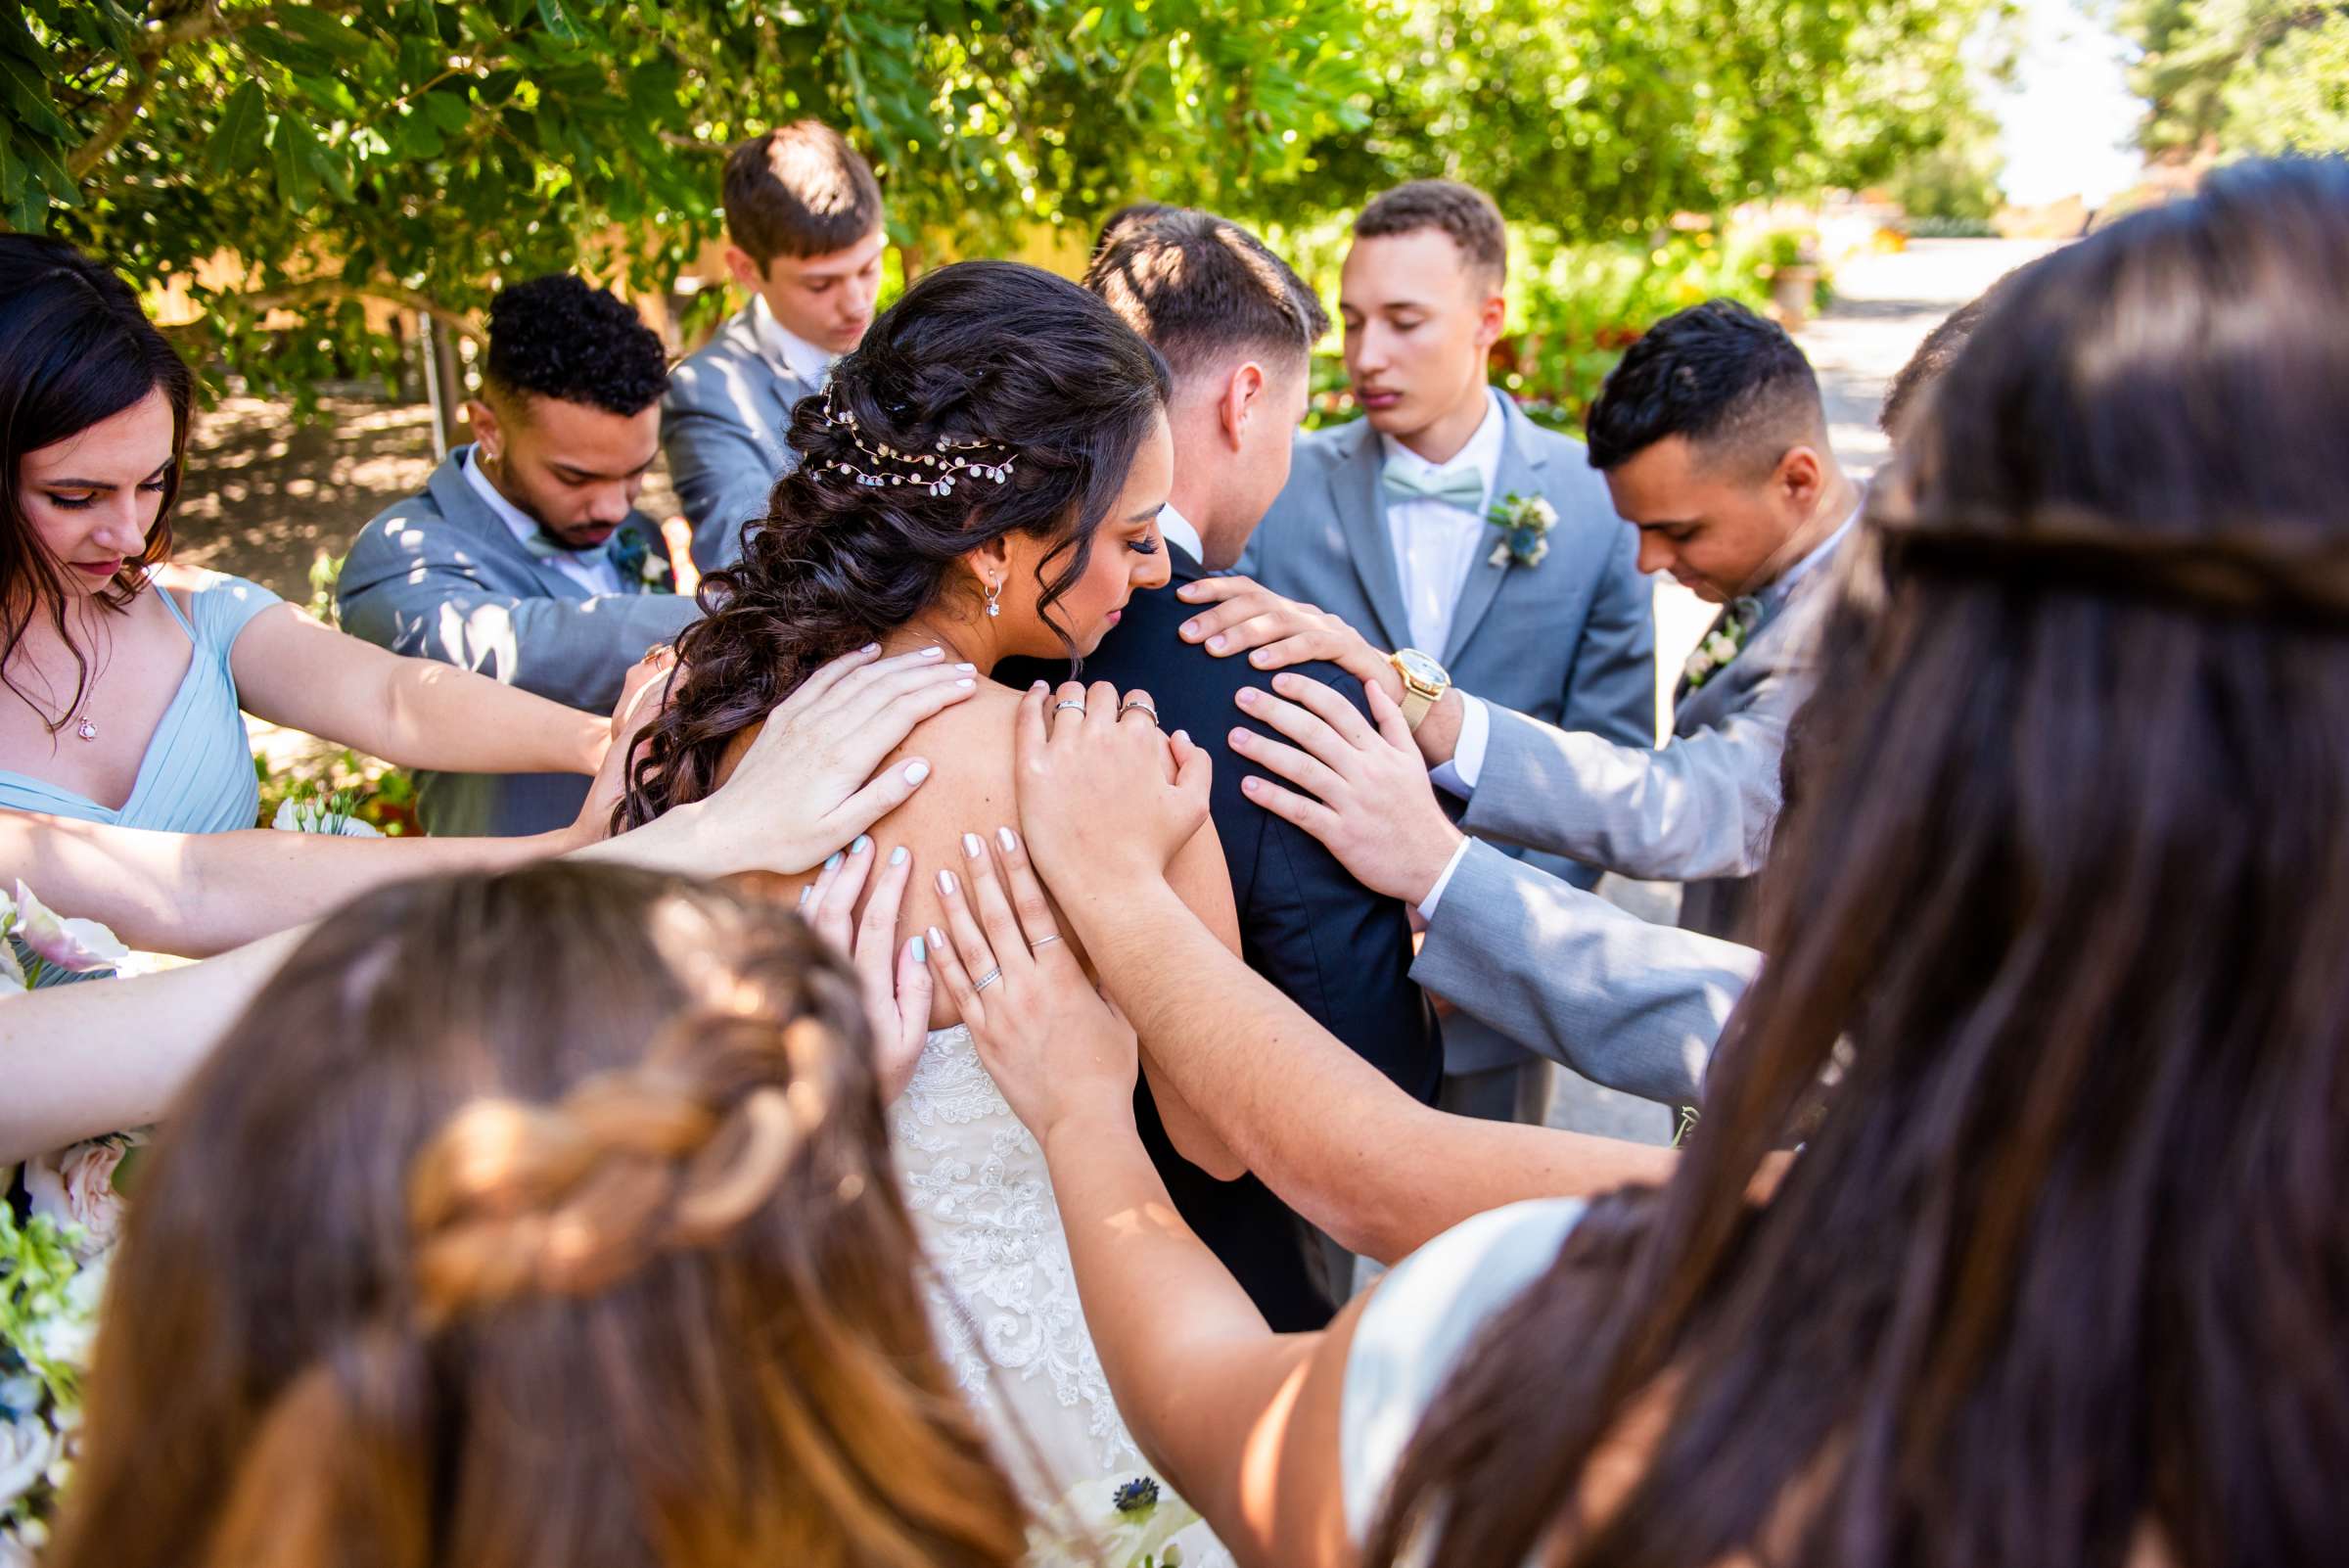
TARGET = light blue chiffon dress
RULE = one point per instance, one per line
(197, 775)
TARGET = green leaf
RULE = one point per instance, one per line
(330, 165)
(50, 174)
(291, 157)
(18, 38)
(448, 109)
(496, 87)
(323, 29)
(563, 22)
(28, 91)
(12, 175)
(235, 144)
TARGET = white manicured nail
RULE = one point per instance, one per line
(971, 845)
(916, 771)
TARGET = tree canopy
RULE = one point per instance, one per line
(303, 156)
(2242, 76)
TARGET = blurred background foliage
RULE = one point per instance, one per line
(301, 176)
(2241, 76)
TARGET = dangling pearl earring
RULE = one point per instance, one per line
(993, 589)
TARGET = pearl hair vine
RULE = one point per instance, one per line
(935, 470)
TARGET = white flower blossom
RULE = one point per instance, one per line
(1499, 556)
(1542, 515)
(1720, 648)
(309, 816)
(75, 1187)
(26, 1446)
(80, 946)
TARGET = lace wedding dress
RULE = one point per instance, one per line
(1003, 1302)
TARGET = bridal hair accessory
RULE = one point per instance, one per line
(935, 470)
(2065, 547)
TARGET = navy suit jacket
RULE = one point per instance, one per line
(1330, 945)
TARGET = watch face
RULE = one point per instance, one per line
(1420, 668)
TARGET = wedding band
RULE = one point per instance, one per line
(1126, 708)
(1068, 703)
(1040, 941)
(986, 980)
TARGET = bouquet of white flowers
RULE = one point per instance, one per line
(59, 1217)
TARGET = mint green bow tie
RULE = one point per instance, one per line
(1461, 487)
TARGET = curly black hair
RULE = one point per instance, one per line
(980, 351)
(559, 336)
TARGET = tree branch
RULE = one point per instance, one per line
(322, 291)
(193, 25)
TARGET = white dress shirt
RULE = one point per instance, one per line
(786, 351)
(593, 570)
(1438, 544)
(1176, 529)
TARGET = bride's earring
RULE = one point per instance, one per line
(994, 591)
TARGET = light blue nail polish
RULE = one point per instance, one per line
(862, 843)
(833, 865)
(921, 952)
(897, 857)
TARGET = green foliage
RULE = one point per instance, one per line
(48, 1312)
(2249, 76)
(340, 783)
(418, 152)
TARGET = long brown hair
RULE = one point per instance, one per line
(2063, 1271)
(540, 1220)
(74, 348)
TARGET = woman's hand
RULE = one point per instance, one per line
(1056, 1050)
(806, 785)
(642, 696)
(896, 993)
(1105, 801)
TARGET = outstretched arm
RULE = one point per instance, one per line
(79, 1060)
(1371, 1165)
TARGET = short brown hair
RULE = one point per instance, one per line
(800, 190)
(1200, 287)
(1936, 354)
(1462, 211)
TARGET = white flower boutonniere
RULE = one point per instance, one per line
(1525, 522)
(1720, 645)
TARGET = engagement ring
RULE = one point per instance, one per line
(1068, 703)
(986, 980)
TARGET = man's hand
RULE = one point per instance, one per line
(1370, 801)
(1105, 800)
(1244, 616)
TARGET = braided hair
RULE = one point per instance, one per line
(531, 1256)
(983, 355)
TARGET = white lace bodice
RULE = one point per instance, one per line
(1003, 1303)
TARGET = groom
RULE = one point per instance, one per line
(1237, 328)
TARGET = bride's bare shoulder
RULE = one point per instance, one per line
(968, 748)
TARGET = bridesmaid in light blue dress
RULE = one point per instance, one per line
(123, 679)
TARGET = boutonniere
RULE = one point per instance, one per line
(639, 562)
(1721, 643)
(1525, 522)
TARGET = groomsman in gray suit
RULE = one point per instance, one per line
(524, 557)
(1385, 524)
(805, 236)
(1713, 439)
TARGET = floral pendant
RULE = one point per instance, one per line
(86, 730)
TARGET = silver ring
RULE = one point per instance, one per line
(1040, 941)
(1068, 703)
(986, 980)
(1126, 708)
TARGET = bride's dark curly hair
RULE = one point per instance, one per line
(989, 351)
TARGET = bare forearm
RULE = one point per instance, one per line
(194, 895)
(81, 1060)
(1324, 1129)
(436, 716)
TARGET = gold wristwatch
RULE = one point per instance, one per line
(1424, 683)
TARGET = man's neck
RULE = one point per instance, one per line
(1836, 501)
(494, 476)
(1441, 441)
(1193, 497)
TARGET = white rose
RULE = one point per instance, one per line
(75, 1187)
(1499, 556)
(26, 1446)
(1719, 649)
(1545, 515)
(1535, 551)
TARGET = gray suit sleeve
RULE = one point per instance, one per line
(1700, 806)
(411, 590)
(1626, 1004)
(722, 476)
(1611, 685)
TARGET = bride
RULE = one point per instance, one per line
(983, 476)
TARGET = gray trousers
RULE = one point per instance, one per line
(1519, 1094)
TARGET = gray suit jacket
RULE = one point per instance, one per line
(1571, 641)
(1697, 810)
(723, 428)
(1631, 1005)
(439, 576)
